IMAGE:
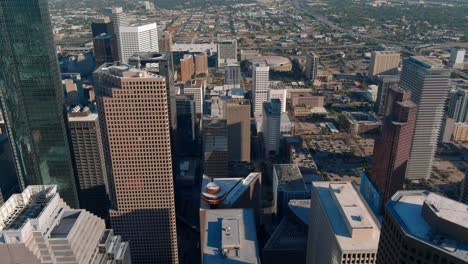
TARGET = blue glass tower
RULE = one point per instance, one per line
(32, 97)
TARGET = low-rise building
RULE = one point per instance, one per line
(358, 123)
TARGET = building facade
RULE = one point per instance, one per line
(423, 227)
(458, 105)
(232, 76)
(271, 127)
(88, 152)
(260, 87)
(201, 64)
(457, 58)
(280, 94)
(187, 68)
(392, 149)
(428, 82)
(134, 120)
(32, 97)
(137, 39)
(37, 226)
(384, 63)
(311, 68)
(215, 148)
(186, 123)
(238, 123)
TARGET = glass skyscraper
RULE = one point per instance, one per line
(32, 97)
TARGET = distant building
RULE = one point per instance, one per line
(37, 226)
(358, 123)
(384, 63)
(288, 184)
(237, 114)
(271, 127)
(340, 217)
(458, 104)
(196, 88)
(260, 87)
(232, 76)
(102, 25)
(384, 82)
(201, 64)
(457, 58)
(249, 54)
(428, 82)
(228, 236)
(392, 149)
(464, 189)
(137, 39)
(423, 227)
(88, 152)
(231, 193)
(74, 92)
(215, 148)
(104, 49)
(460, 132)
(279, 93)
(186, 124)
(187, 68)
(165, 41)
(275, 63)
(288, 243)
(311, 67)
(119, 19)
(306, 99)
(227, 52)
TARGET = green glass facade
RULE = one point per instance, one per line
(32, 97)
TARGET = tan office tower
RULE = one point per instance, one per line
(187, 68)
(165, 41)
(201, 63)
(238, 121)
(384, 63)
(134, 119)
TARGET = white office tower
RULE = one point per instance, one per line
(457, 58)
(342, 228)
(312, 63)
(278, 92)
(37, 226)
(260, 86)
(119, 19)
(428, 82)
(138, 39)
(271, 127)
(227, 52)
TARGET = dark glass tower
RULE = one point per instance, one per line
(32, 97)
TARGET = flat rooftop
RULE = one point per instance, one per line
(355, 226)
(289, 178)
(66, 224)
(124, 71)
(361, 117)
(426, 62)
(411, 208)
(229, 236)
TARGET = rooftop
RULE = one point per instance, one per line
(432, 219)
(124, 71)
(355, 226)
(67, 221)
(289, 178)
(361, 117)
(228, 236)
(426, 62)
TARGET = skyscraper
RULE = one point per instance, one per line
(134, 119)
(391, 151)
(88, 152)
(37, 226)
(384, 83)
(271, 126)
(260, 86)
(201, 63)
(342, 229)
(312, 62)
(215, 148)
(196, 89)
(458, 105)
(165, 41)
(238, 123)
(137, 39)
(384, 63)
(227, 52)
(187, 68)
(186, 121)
(104, 49)
(101, 26)
(119, 19)
(457, 58)
(428, 82)
(32, 97)
(232, 76)
(423, 227)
